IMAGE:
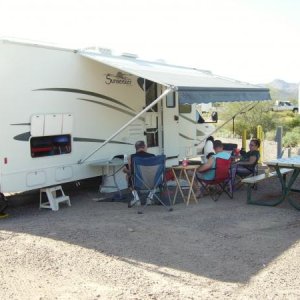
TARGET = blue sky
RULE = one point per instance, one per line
(250, 40)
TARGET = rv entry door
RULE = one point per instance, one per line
(170, 127)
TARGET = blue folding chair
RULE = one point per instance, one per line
(148, 176)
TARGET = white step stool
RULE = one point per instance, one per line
(55, 196)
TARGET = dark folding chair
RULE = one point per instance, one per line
(229, 146)
(149, 177)
(245, 172)
(222, 181)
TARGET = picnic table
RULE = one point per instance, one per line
(282, 166)
(292, 163)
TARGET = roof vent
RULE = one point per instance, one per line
(129, 55)
(104, 51)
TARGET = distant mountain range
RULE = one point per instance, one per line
(282, 90)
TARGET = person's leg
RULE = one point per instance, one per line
(136, 198)
(197, 186)
(239, 173)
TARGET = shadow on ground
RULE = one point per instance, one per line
(226, 240)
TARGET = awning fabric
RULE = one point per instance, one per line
(193, 85)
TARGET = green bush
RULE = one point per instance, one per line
(291, 139)
(270, 135)
(293, 122)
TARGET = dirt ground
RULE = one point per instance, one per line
(103, 250)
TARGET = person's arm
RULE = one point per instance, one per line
(127, 168)
(206, 166)
(129, 164)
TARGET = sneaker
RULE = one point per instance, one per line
(133, 202)
(149, 201)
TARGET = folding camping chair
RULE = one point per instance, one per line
(247, 171)
(148, 177)
(222, 181)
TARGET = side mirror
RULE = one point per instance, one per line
(214, 116)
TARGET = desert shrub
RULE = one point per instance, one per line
(270, 135)
(290, 114)
(291, 138)
(293, 122)
(224, 132)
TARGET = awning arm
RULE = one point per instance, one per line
(218, 128)
(165, 93)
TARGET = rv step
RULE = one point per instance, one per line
(55, 196)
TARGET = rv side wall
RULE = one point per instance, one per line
(38, 81)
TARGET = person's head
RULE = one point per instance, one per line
(140, 146)
(218, 146)
(210, 138)
(254, 144)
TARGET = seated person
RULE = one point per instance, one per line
(207, 171)
(141, 151)
(248, 161)
(208, 148)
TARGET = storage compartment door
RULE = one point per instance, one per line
(53, 124)
(67, 125)
(37, 125)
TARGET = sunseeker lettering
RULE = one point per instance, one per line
(119, 78)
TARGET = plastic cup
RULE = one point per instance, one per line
(184, 163)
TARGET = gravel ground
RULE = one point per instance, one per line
(103, 250)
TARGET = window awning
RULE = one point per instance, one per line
(193, 85)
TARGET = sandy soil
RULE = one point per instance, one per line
(103, 250)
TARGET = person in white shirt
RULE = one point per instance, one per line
(208, 149)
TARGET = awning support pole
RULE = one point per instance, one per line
(232, 118)
(165, 93)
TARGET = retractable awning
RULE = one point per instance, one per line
(193, 85)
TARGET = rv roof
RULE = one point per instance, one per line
(193, 85)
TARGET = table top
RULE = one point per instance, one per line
(288, 162)
(188, 167)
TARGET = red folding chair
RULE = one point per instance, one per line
(222, 181)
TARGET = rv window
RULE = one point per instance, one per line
(170, 101)
(151, 94)
(50, 145)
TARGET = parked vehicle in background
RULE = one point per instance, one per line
(285, 106)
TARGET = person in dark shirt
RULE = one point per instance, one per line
(140, 151)
(248, 160)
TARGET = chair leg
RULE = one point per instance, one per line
(155, 196)
(216, 194)
(227, 188)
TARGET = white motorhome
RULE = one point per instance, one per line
(63, 110)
